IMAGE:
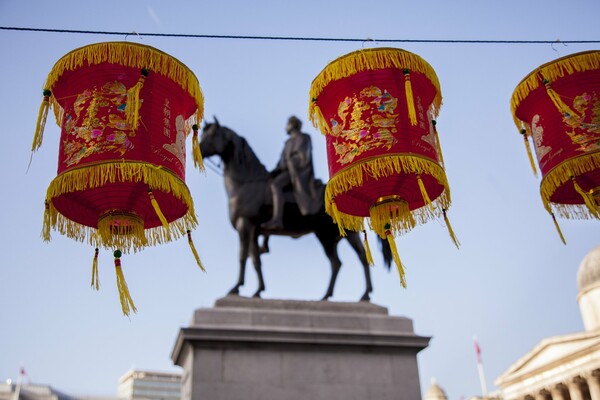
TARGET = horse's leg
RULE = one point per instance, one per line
(264, 248)
(355, 242)
(330, 246)
(244, 236)
(255, 256)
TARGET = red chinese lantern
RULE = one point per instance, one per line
(558, 105)
(377, 108)
(125, 111)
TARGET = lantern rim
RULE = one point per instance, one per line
(552, 70)
(132, 55)
(370, 59)
(561, 174)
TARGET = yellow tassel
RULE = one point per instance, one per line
(189, 235)
(196, 154)
(95, 281)
(558, 229)
(529, 153)
(47, 222)
(126, 301)
(424, 193)
(587, 198)
(437, 140)
(321, 123)
(41, 121)
(451, 231)
(409, 98)
(394, 249)
(368, 250)
(157, 210)
(558, 103)
(133, 101)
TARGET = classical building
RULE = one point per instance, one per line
(435, 392)
(30, 391)
(149, 385)
(563, 367)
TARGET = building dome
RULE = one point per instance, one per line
(435, 392)
(588, 275)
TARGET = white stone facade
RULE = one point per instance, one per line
(563, 367)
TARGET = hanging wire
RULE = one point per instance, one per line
(296, 38)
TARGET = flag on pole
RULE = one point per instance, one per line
(477, 350)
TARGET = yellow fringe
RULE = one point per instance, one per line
(133, 55)
(95, 281)
(396, 256)
(560, 175)
(97, 175)
(391, 215)
(196, 154)
(529, 153)
(337, 218)
(132, 111)
(194, 251)
(366, 60)
(558, 103)
(410, 102)
(157, 210)
(558, 229)
(41, 121)
(587, 198)
(377, 167)
(552, 71)
(122, 230)
(367, 249)
(450, 230)
(124, 296)
(424, 194)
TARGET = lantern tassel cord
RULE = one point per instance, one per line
(194, 251)
(95, 280)
(321, 122)
(133, 101)
(558, 229)
(196, 153)
(558, 103)
(450, 230)
(47, 222)
(587, 198)
(410, 102)
(41, 121)
(367, 249)
(158, 211)
(437, 141)
(426, 198)
(394, 250)
(529, 153)
(126, 301)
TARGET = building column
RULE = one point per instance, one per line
(557, 392)
(593, 384)
(574, 386)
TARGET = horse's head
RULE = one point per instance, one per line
(213, 140)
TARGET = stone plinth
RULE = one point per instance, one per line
(255, 349)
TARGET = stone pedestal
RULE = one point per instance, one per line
(255, 349)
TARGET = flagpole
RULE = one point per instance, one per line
(480, 368)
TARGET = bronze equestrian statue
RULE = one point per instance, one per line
(249, 187)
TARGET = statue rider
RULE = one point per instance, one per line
(294, 168)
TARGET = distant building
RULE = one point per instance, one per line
(563, 367)
(149, 385)
(29, 391)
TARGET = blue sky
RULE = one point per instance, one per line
(512, 283)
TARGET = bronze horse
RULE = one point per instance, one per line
(250, 204)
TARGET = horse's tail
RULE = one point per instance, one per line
(386, 251)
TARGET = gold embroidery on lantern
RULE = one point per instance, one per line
(364, 132)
